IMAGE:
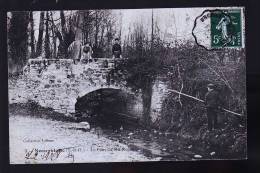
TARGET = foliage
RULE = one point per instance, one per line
(187, 117)
(142, 65)
(17, 40)
(189, 68)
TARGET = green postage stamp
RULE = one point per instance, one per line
(219, 28)
(226, 28)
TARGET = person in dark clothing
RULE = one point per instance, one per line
(212, 103)
(116, 50)
(95, 51)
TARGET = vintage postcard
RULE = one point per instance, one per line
(127, 85)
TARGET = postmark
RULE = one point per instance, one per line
(219, 28)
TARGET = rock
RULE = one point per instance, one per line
(212, 153)
(171, 140)
(129, 134)
(158, 158)
(84, 125)
(198, 156)
(164, 149)
(166, 133)
(190, 146)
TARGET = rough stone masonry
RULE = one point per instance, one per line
(57, 83)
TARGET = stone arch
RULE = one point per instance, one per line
(59, 88)
(94, 88)
(109, 102)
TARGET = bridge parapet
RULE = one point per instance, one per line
(57, 83)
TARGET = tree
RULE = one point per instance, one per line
(40, 35)
(32, 39)
(152, 35)
(140, 68)
(110, 32)
(96, 27)
(66, 36)
(54, 37)
(18, 40)
(120, 25)
(87, 25)
(47, 37)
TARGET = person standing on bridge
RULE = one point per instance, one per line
(95, 50)
(212, 103)
(87, 52)
(116, 49)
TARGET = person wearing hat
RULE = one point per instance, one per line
(212, 103)
(116, 49)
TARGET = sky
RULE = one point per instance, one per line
(174, 23)
(168, 20)
(164, 17)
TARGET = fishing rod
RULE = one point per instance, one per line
(195, 98)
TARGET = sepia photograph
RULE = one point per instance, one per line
(127, 85)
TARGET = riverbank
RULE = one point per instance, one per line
(149, 144)
(37, 140)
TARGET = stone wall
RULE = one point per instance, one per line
(159, 93)
(57, 83)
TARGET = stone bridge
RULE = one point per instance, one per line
(58, 83)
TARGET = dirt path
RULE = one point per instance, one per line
(37, 140)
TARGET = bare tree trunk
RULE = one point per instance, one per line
(102, 36)
(54, 37)
(32, 35)
(176, 31)
(120, 26)
(96, 27)
(78, 26)
(47, 38)
(181, 80)
(85, 26)
(40, 36)
(109, 37)
(66, 37)
(63, 23)
(61, 36)
(18, 41)
(152, 36)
